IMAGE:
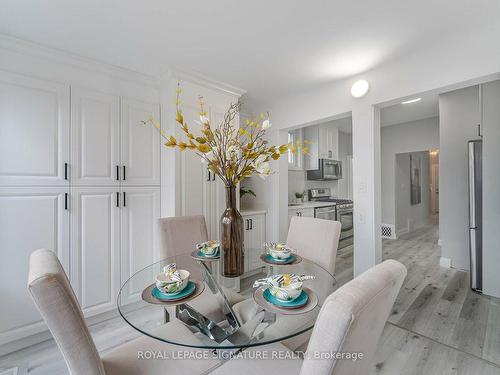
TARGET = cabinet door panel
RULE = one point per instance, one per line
(95, 137)
(30, 219)
(34, 131)
(140, 212)
(255, 237)
(140, 147)
(95, 271)
(193, 173)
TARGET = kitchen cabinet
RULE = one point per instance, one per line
(85, 185)
(34, 131)
(95, 138)
(324, 144)
(303, 212)
(30, 218)
(255, 236)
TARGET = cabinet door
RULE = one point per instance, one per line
(140, 146)
(30, 219)
(255, 236)
(140, 210)
(34, 131)
(95, 138)
(95, 247)
(308, 212)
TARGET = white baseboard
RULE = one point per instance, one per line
(401, 231)
(445, 262)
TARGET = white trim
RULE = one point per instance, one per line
(204, 81)
(445, 262)
(47, 53)
(401, 231)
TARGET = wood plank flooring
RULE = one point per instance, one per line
(437, 326)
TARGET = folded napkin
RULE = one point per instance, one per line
(282, 280)
(171, 271)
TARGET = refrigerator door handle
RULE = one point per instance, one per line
(472, 193)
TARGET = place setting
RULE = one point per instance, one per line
(208, 251)
(277, 253)
(172, 286)
(285, 294)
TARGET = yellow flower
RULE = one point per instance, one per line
(171, 142)
(204, 148)
(201, 140)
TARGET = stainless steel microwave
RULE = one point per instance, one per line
(328, 169)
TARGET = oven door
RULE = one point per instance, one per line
(326, 213)
(346, 220)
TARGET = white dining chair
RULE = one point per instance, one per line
(351, 320)
(55, 299)
(315, 239)
(179, 236)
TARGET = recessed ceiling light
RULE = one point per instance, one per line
(360, 88)
(412, 101)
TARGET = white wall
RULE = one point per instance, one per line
(491, 187)
(402, 138)
(408, 216)
(459, 116)
(419, 71)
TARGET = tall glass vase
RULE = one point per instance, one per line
(231, 235)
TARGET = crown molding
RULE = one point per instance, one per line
(56, 55)
(204, 81)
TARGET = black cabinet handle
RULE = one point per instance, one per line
(117, 199)
(479, 130)
(66, 171)
(247, 224)
(65, 201)
(209, 176)
(213, 176)
(124, 200)
(251, 224)
(117, 173)
(124, 177)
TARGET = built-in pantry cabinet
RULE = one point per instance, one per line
(80, 175)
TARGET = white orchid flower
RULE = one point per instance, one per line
(266, 124)
(204, 120)
(264, 170)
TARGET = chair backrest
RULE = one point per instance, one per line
(52, 293)
(178, 235)
(352, 319)
(315, 239)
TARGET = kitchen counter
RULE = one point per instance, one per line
(304, 205)
(251, 211)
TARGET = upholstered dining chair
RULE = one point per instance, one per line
(178, 236)
(315, 239)
(351, 320)
(52, 293)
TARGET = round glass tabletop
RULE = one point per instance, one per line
(221, 313)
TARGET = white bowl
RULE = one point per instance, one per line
(280, 252)
(286, 293)
(208, 248)
(166, 285)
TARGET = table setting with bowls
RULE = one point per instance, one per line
(172, 286)
(207, 251)
(278, 253)
(285, 294)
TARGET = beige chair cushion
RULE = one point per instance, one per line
(352, 320)
(132, 357)
(315, 239)
(52, 293)
(179, 235)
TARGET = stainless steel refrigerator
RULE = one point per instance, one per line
(475, 214)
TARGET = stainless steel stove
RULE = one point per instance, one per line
(340, 210)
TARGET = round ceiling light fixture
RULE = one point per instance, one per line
(360, 88)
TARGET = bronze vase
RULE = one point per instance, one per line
(231, 237)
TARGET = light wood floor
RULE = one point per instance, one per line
(438, 326)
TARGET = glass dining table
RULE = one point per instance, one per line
(211, 313)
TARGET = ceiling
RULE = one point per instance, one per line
(269, 48)
(401, 113)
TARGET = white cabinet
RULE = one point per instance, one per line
(255, 236)
(30, 218)
(34, 131)
(324, 144)
(140, 145)
(304, 212)
(95, 137)
(140, 210)
(95, 245)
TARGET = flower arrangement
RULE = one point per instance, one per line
(232, 152)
